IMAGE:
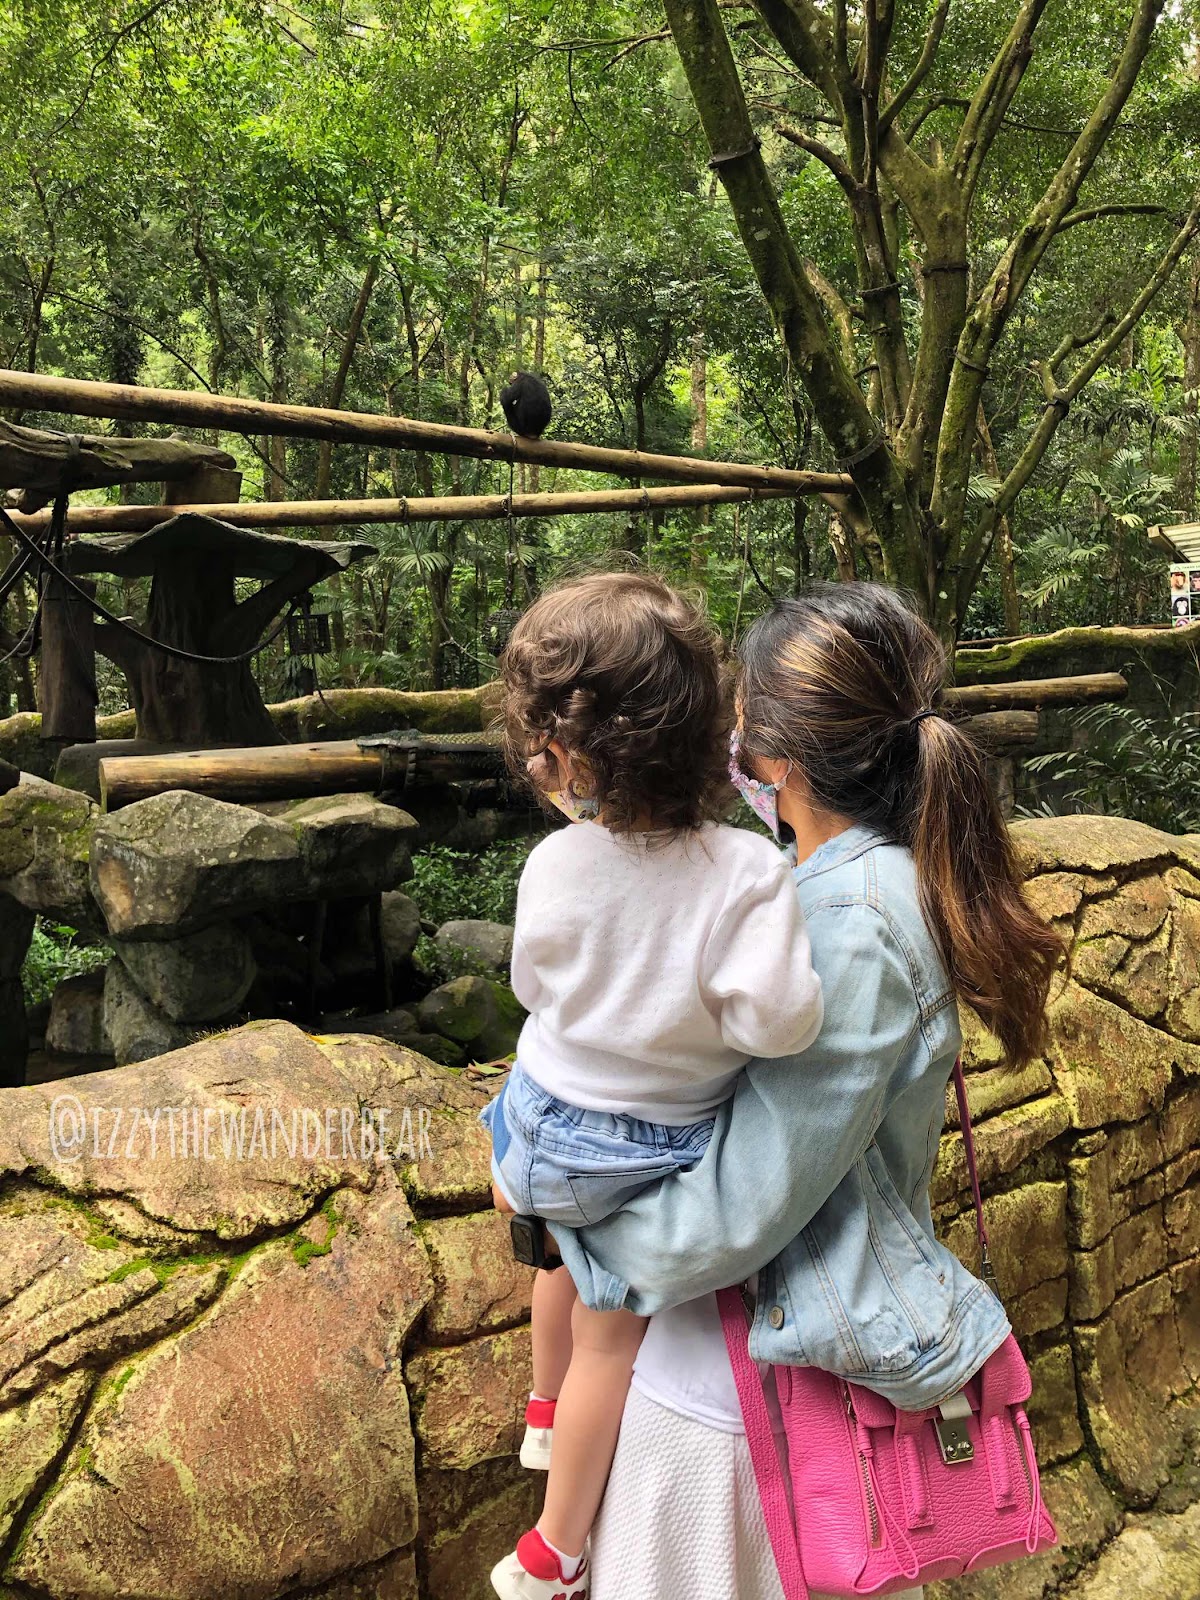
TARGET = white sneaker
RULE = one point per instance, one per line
(539, 1435)
(533, 1572)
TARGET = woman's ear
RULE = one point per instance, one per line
(769, 769)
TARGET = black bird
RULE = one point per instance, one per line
(526, 404)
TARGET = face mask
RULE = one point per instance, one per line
(762, 798)
(575, 807)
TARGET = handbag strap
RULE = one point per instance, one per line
(764, 1456)
(986, 1271)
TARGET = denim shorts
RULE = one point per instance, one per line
(566, 1164)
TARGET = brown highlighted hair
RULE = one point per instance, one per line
(835, 682)
(628, 675)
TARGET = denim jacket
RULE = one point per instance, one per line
(819, 1166)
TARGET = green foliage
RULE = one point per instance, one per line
(1130, 765)
(197, 193)
(450, 884)
(57, 952)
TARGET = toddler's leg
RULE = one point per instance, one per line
(587, 1421)
(553, 1301)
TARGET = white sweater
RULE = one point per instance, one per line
(654, 968)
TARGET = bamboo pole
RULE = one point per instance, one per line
(188, 408)
(424, 508)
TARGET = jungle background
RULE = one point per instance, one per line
(389, 207)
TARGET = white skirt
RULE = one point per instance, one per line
(681, 1519)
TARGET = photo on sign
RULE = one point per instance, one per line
(1184, 586)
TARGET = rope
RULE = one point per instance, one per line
(930, 267)
(973, 365)
(49, 566)
(879, 290)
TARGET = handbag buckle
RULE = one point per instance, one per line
(954, 1441)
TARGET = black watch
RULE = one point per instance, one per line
(529, 1243)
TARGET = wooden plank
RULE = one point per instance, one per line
(78, 397)
(40, 464)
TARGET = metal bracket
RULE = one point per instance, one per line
(953, 1439)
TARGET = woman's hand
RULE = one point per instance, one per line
(500, 1203)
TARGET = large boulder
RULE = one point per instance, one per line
(134, 1025)
(472, 946)
(352, 844)
(180, 861)
(177, 861)
(482, 1016)
(76, 1022)
(197, 978)
(208, 1376)
(45, 839)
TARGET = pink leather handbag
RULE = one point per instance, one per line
(887, 1499)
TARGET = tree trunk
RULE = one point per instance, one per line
(338, 387)
(699, 441)
(1185, 477)
(67, 665)
(192, 602)
(1002, 548)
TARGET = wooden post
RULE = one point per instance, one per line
(67, 665)
(208, 486)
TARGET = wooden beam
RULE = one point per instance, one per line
(1033, 692)
(441, 508)
(1002, 730)
(40, 464)
(295, 771)
(188, 408)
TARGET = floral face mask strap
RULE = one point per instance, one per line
(575, 807)
(762, 798)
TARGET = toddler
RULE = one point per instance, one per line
(656, 952)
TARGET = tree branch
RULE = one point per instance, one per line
(1011, 274)
(1091, 213)
(920, 72)
(991, 100)
(823, 153)
(1059, 399)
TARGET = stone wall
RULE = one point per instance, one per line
(275, 1376)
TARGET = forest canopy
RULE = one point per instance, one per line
(949, 248)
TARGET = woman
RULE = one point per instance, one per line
(817, 1175)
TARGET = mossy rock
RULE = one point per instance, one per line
(45, 843)
(477, 1013)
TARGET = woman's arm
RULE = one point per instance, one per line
(781, 1145)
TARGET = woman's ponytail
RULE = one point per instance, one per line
(845, 682)
(1001, 955)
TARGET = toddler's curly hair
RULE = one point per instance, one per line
(629, 675)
